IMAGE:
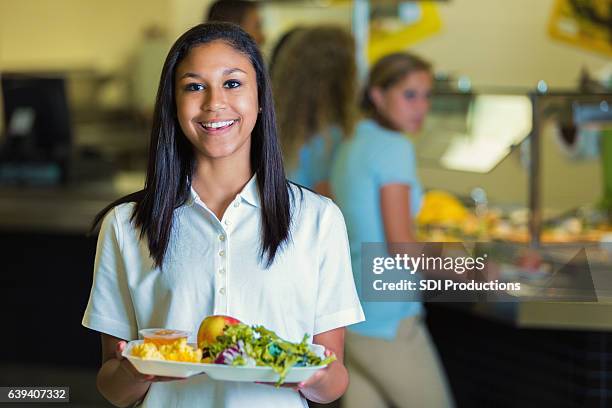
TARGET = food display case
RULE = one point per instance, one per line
(526, 172)
(516, 166)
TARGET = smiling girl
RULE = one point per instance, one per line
(217, 229)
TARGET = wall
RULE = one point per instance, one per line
(279, 18)
(85, 34)
(185, 14)
(495, 42)
(504, 43)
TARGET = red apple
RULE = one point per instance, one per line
(212, 327)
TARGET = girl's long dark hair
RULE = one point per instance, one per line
(171, 158)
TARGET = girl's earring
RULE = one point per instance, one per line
(260, 110)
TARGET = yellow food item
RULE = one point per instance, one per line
(441, 208)
(179, 350)
(147, 351)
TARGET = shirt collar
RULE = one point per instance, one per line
(249, 193)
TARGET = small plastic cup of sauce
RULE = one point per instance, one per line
(160, 337)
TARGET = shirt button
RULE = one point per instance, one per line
(221, 237)
(237, 204)
(221, 253)
(222, 291)
(222, 271)
(227, 222)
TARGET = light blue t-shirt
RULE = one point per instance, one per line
(374, 157)
(315, 159)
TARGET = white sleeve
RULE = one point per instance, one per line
(337, 301)
(110, 309)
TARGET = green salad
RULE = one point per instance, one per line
(243, 345)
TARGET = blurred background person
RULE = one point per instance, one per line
(280, 43)
(242, 12)
(314, 82)
(375, 183)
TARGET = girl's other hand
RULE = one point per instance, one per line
(312, 382)
(316, 380)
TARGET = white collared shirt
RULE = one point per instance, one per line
(213, 267)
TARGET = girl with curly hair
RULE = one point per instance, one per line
(314, 82)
